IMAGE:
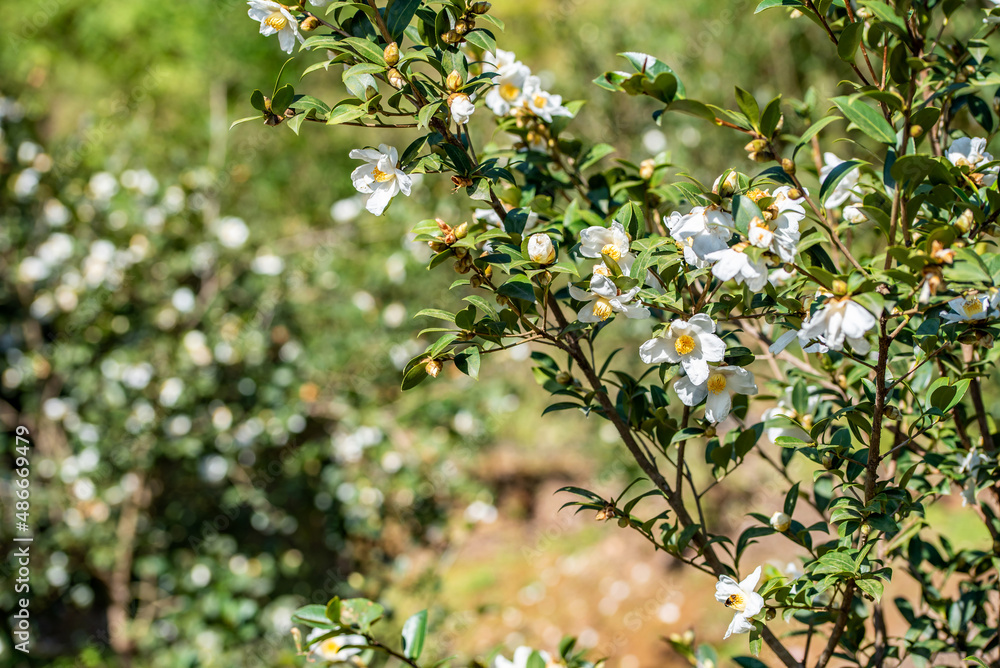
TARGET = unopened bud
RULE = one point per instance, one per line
(788, 165)
(443, 226)
(450, 238)
(462, 231)
(756, 145)
(297, 636)
(451, 37)
(916, 130)
(476, 281)
(396, 79)
(433, 368)
(437, 246)
(462, 26)
(965, 221)
(391, 54)
(728, 187)
(794, 193)
(984, 339)
(309, 24)
(892, 413)
(839, 287)
(770, 614)
(564, 378)
(710, 431)
(830, 461)
(646, 168)
(540, 249)
(480, 7)
(780, 521)
(866, 529)
(454, 81)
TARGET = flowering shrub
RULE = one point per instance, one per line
(877, 264)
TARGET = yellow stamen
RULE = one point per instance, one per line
(601, 270)
(757, 194)
(684, 344)
(380, 176)
(276, 20)
(329, 646)
(509, 92)
(717, 384)
(602, 308)
(539, 101)
(611, 251)
(972, 306)
(736, 601)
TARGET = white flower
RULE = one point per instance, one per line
(779, 276)
(521, 656)
(540, 249)
(605, 298)
(840, 319)
(853, 214)
(692, 344)
(611, 241)
(541, 103)
(845, 189)
(780, 521)
(231, 231)
(461, 107)
(734, 263)
(970, 309)
(785, 409)
(971, 153)
(717, 390)
(379, 177)
(335, 650)
(742, 599)
(274, 18)
(508, 89)
(702, 231)
(970, 466)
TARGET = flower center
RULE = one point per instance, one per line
(539, 101)
(757, 195)
(509, 92)
(602, 270)
(716, 384)
(684, 345)
(602, 308)
(611, 251)
(972, 306)
(329, 646)
(276, 20)
(380, 176)
(736, 601)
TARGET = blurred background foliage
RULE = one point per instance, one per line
(204, 332)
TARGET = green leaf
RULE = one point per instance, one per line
(435, 313)
(282, 99)
(770, 117)
(360, 613)
(836, 176)
(873, 588)
(769, 4)
(748, 105)
(427, 113)
(399, 15)
(414, 373)
(745, 210)
(345, 114)
(866, 118)
(483, 39)
(850, 39)
(414, 630)
(518, 287)
(790, 499)
(245, 120)
(468, 362)
(367, 50)
(313, 615)
(813, 131)
(257, 101)
(333, 610)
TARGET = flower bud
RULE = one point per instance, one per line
(710, 431)
(391, 54)
(866, 528)
(433, 368)
(839, 287)
(462, 231)
(830, 461)
(984, 339)
(540, 249)
(892, 413)
(965, 221)
(454, 81)
(480, 7)
(443, 226)
(770, 614)
(728, 187)
(916, 131)
(451, 37)
(646, 169)
(463, 26)
(564, 378)
(788, 165)
(309, 24)
(450, 238)
(794, 194)
(780, 521)
(396, 79)
(476, 281)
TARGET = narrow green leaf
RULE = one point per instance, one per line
(414, 630)
(866, 118)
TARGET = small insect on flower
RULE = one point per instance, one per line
(742, 599)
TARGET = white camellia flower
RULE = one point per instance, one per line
(540, 249)
(521, 656)
(541, 103)
(335, 649)
(970, 309)
(275, 18)
(971, 153)
(604, 299)
(785, 409)
(780, 521)
(461, 107)
(508, 89)
(854, 215)
(691, 343)
(970, 466)
(611, 241)
(841, 319)
(717, 390)
(703, 231)
(845, 189)
(734, 263)
(379, 178)
(741, 598)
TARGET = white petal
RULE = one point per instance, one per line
(712, 347)
(703, 322)
(750, 583)
(689, 393)
(717, 406)
(740, 624)
(755, 603)
(404, 182)
(782, 342)
(697, 370)
(379, 199)
(656, 351)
